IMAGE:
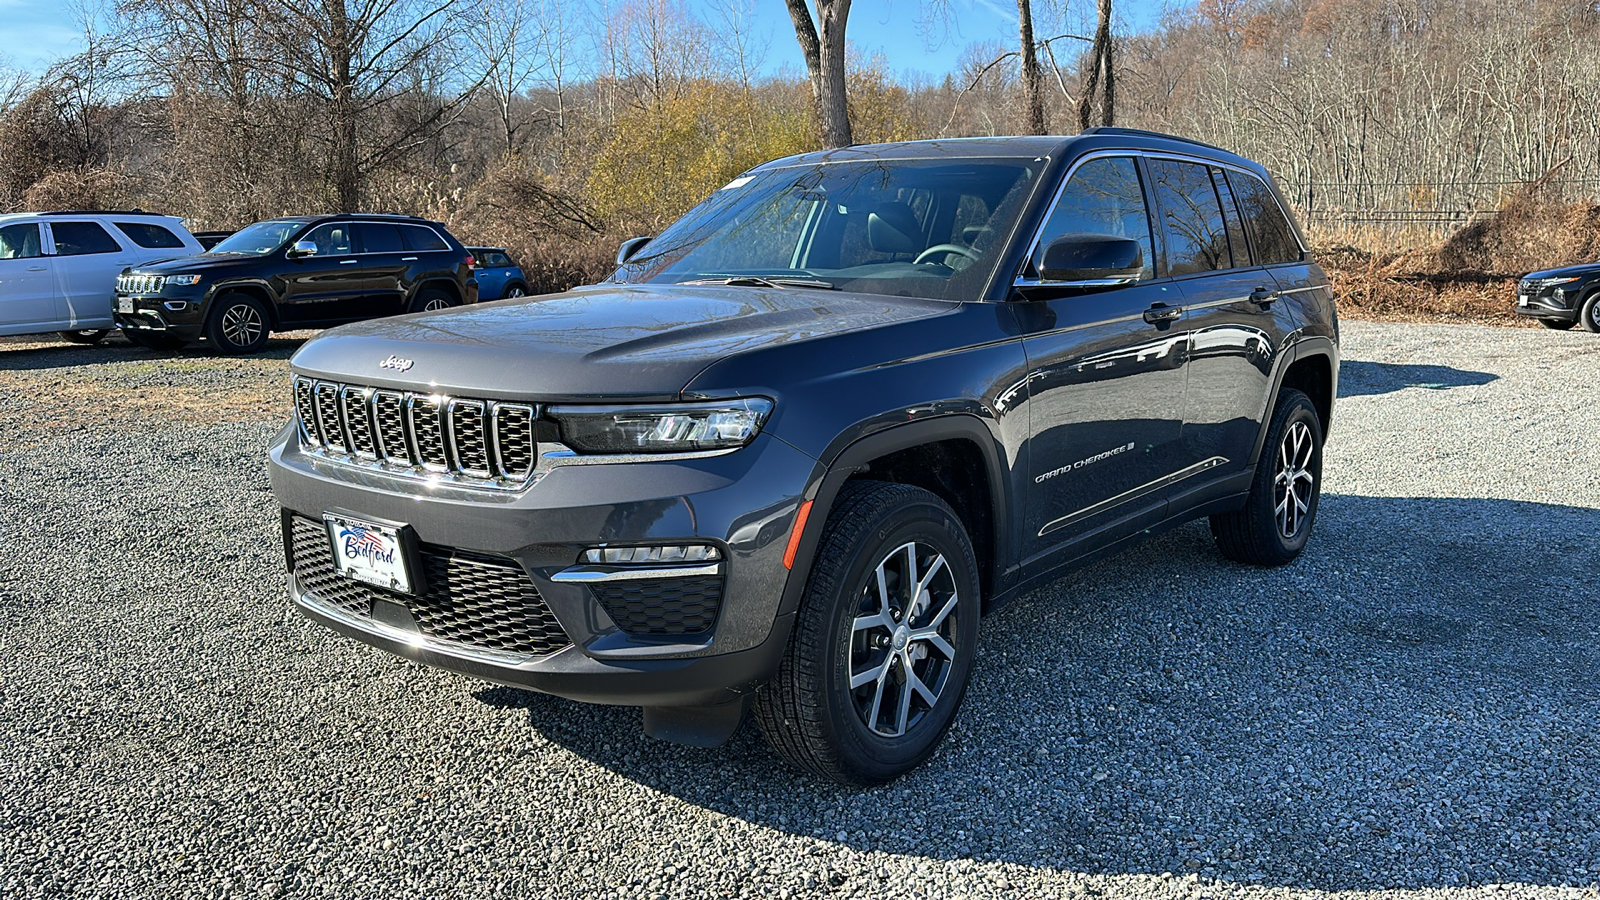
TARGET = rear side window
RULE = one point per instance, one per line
(1274, 237)
(1102, 197)
(379, 237)
(1191, 214)
(419, 238)
(1230, 215)
(497, 260)
(151, 237)
(82, 238)
(20, 241)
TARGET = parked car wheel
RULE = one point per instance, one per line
(155, 340)
(515, 290)
(238, 323)
(1589, 313)
(1276, 520)
(883, 645)
(86, 336)
(431, 299)
(1557, 324)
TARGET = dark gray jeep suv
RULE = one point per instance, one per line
(801, 441)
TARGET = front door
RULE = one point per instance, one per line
(28, 300)
(1106, 378)
(327, 287)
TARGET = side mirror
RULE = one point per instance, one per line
(630, 248)
(1092, 260)
(303, 248)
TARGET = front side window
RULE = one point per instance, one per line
(917, 228)
(332, 239)
(1103, 196)
(1197, 237)
(258, 239)
(1274, 237)
(149, 236)
(82, 239)
(20, 241)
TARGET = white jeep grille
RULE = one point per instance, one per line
(140, 284)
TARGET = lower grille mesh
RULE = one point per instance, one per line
(663, 606)
(472, 601)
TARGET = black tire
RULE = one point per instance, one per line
(155, 340)
(1260, 534)
(808, 712)
(431, 298)
(1589, 313)
(514, 290)
(238, 323)
(1557, 324)
(86, 336)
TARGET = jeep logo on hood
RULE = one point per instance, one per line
(399, 364)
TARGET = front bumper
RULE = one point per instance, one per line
(177, 310)
(742, 503)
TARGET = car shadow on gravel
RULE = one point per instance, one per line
(1414, 703)
(37, 354)
(1360, 379)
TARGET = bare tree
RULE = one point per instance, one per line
(822, 45)
(1099, 91)
(1032, 75)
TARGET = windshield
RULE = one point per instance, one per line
(258, 239)
(918, 228)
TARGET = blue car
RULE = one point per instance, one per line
(498, 276)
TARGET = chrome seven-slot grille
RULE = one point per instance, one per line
(140, 284)
(483, 440)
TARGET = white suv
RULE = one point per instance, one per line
(58, 270)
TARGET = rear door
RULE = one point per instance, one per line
(383, 255)
(28, 298)
(327, 287)
(428, 254)
(88, 258)
(1105, 385)
(1236, 326)
(494, 270)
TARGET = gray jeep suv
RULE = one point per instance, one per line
(804, 437)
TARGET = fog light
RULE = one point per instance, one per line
(665, 554)
(176, 305)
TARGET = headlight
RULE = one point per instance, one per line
(664, 428)
(183, 279)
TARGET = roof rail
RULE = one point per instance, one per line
(136, 211)
(1143, 132)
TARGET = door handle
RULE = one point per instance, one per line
(36, 268)
(1161, 314)
(348, 262)
(408, 259)
(1263, 297)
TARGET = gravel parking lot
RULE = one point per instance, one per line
(1412, 708)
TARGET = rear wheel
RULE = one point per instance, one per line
(515, 290)
(1275, 523)
(154, 340)
(884, 641)
(430, 299)
(237, 323)
(85, 336)
(1589, 313)
(1557, 324)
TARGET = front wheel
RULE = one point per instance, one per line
(884, 641)
(85, 336)
(237, 324)
(1275, 523)
(1589, 313)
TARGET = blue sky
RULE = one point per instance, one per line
(35, 33)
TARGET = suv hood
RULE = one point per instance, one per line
(619, 341)
(1565, 271)
(199, 262)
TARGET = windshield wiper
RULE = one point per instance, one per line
(779, 281)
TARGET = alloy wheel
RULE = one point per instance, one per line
(242, 325)
(436, 303)
(1294, 482)
(903, 640)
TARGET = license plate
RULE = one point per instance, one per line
(1522, 299)
(369, 553)
(125, 305)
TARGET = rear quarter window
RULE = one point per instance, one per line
(149, 236)
(1269, 228)
(425, 239)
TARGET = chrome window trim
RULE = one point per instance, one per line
(290, 244)
(1018, 280)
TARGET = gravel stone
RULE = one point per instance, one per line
(1409, 710)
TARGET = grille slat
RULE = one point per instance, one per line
(471, 601)
(474, 440)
